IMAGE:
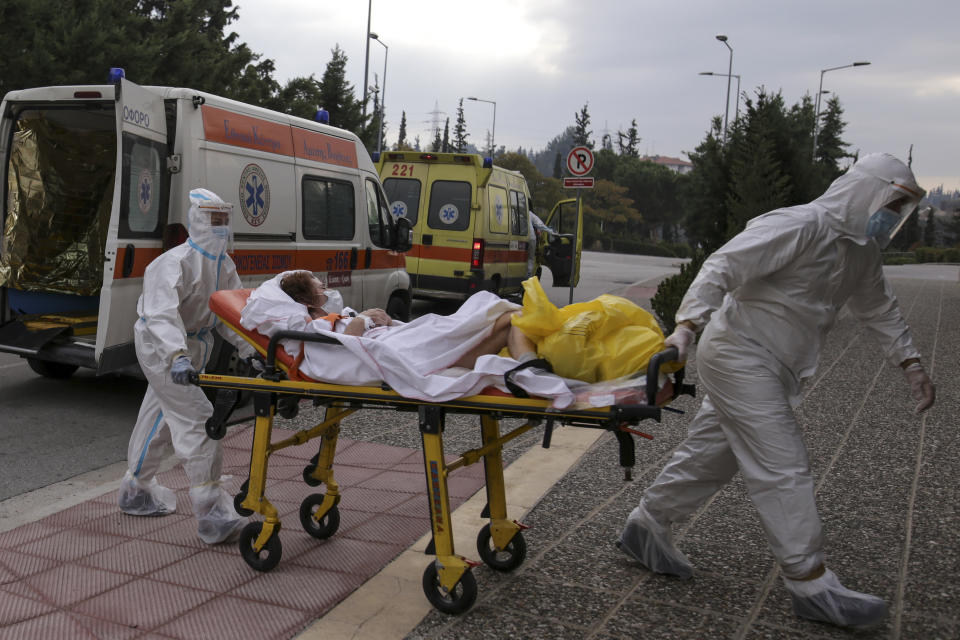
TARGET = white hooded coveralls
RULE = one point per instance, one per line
(771, 294)
(175, 319)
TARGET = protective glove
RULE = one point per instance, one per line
(181, 370)
(681, 338)
(921, 386)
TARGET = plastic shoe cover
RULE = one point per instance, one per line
(651, 544)
(138, 498)
(217, 521)
(826, 600)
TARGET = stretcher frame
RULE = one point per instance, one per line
(448, 582)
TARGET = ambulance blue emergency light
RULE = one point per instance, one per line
(116, 74)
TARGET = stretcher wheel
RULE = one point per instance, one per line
(308, 476)
(462, 597)
(240, 497)
(507, 559)
(268, 557)
(326, 526)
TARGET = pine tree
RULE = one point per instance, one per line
(557, 166)
(581, 134)
(402, 135)
(629, 142)
(460, 131)
(830, 148)
(445, 143)
(437, 144)
(337, 97)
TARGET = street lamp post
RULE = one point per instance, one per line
(722, 38)
(493, 131)
(816, 113)
(736, 112)
(366, 63)
(383, 90)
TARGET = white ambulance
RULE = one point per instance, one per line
(95, 184)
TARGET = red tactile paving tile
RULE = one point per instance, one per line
(371, 454)
(229, 618)
(69, 584)
(305, 588)
(397, 481)
(372, 500)
(27, 533)
(416, 507)
(348, 556)
(14, 565)
(70, 544)
(121, 524)
(138, 557)
(209, 571)
(16, 608)
(81, 513)
(60, 624)
(390, 529)
(146, 603)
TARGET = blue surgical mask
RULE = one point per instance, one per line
(221, 231)
(882, 224)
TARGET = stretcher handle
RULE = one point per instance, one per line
(670, 354)
(271, 372)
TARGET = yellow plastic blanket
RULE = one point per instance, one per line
(602, 339)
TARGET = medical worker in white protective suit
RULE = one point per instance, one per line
(765, 302)
(174, 337)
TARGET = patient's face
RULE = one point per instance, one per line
(319, 299)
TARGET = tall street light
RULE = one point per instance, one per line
(736, 112)
(366, 64)
(816, 113)
(493, 131)
(722, 38)
(383, 90)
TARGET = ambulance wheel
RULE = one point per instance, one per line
(398, 308)
(240, 497)
(326, 526)
(48, 369)
(268, 557)
(508, 558)
(462, 597)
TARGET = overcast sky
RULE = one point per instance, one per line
(541, 60)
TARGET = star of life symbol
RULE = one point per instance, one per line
(145, 191)
(399, 209)
(449, 213)
(499, 210)
(254, 195)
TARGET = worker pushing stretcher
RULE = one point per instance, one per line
(347, 363)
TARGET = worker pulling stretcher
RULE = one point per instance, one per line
(316, 349)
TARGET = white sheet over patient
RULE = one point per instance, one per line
(410, 357)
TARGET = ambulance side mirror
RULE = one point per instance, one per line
(403, 235)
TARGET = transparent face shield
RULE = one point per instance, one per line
(887, 221)
(214, 224)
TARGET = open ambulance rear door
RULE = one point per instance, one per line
(561, 252)
(137, 219)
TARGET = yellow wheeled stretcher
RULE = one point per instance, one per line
(447, 581)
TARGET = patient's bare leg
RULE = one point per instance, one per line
(521, 347)
(493, 343)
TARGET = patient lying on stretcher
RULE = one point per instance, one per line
(326, 305)
(434, 358)
(438, 358)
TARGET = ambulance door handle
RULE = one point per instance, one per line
(353, 258)
(427, 238)
(128, 261)
(367, 258)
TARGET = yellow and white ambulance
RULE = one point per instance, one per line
(470, 224)
(95, 184)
